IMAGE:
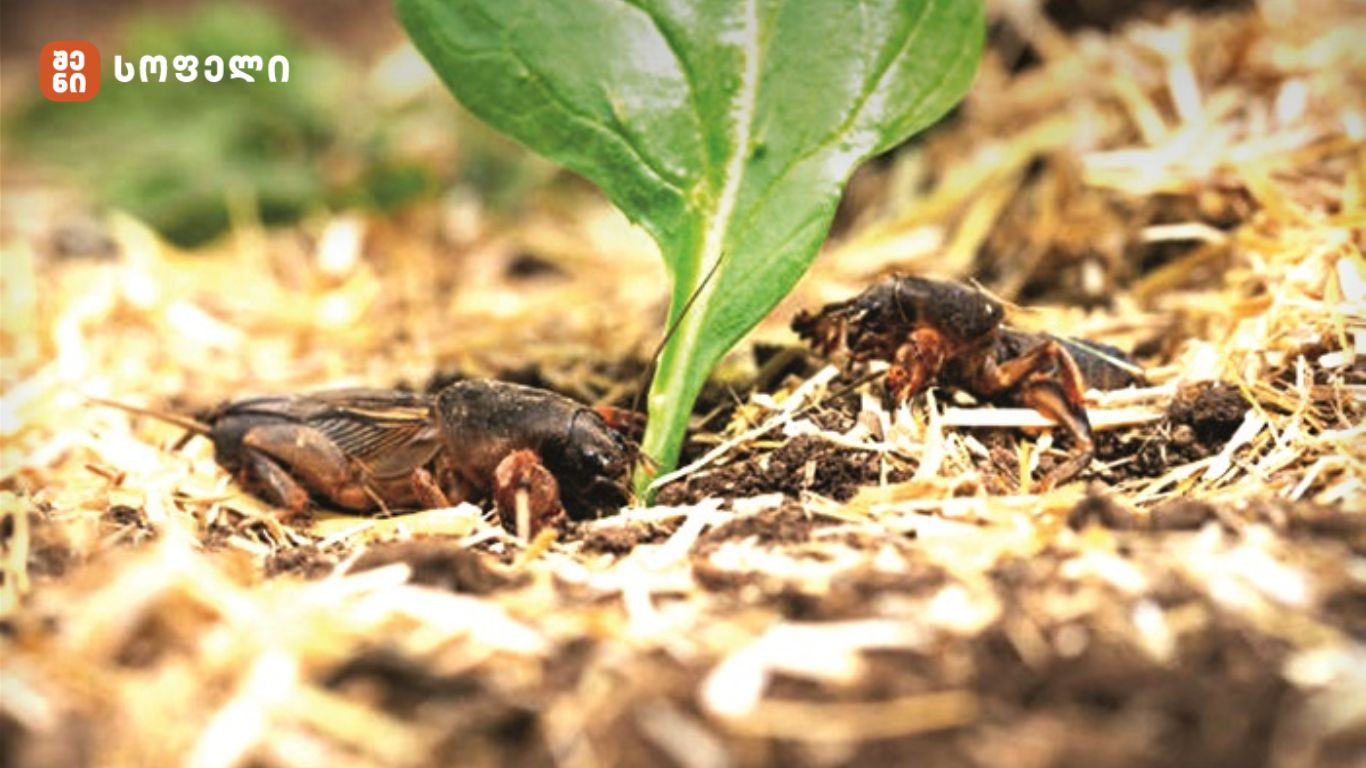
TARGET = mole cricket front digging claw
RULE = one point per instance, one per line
(933, 331)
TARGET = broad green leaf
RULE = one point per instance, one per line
(726, 128)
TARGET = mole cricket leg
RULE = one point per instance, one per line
(315, 461)
(998, 377)
(916, 363)
(272, 481)
(1047, 397)
(521, 473)
(1059, 397)
(428, 491)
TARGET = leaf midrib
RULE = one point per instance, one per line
(718, 216)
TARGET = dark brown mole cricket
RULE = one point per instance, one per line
(942, 332)
(368, 450)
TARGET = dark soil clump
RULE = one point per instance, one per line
(305, 562)
(440, 565)
(621, 539)
(1199, 422)
(1099, 508)
(787, 524)
(805, 464)
(1182, 515)
(1212, 411)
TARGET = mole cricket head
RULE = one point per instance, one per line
(591, 462)
(859, 324)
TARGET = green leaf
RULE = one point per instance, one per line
(726, 128)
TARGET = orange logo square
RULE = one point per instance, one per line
(69, 70)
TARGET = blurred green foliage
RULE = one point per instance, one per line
(184, 156)
(175, 154)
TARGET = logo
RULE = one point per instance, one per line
(69, 70)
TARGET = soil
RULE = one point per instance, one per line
(1199, 421)
(806, 464)
(441, 564)
(620, 539)
(1209, 704)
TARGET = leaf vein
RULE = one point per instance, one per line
(676, 50)
(588, 121)
(629, 137)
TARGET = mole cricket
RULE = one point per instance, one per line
(370, 450)
(933, 331)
